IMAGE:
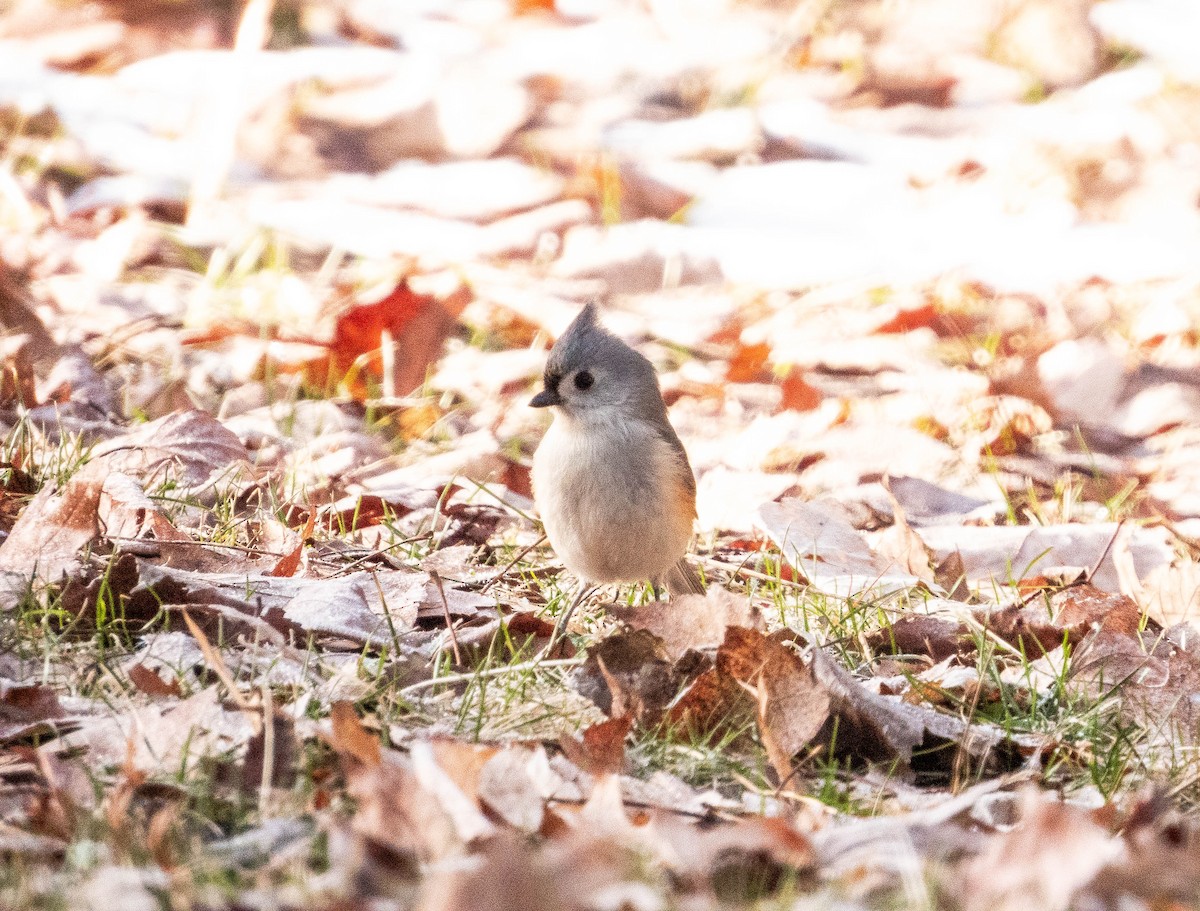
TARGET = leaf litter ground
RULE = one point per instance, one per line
(274, 588)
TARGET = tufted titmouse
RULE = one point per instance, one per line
(611, 478)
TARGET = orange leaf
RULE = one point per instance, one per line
(798, 395)
(413, 328)
(150, 683)
(748, 362)
(907, 320)
(289, 563)
(602, 751)
(350, 737)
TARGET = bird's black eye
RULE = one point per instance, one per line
(584, 380)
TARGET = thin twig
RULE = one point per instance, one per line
(437, 580)
(217, 663)
(1104, 555)
(268, 767)
(490, 672)
(513, 562)
(349, 567)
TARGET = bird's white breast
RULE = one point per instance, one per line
(613, 499)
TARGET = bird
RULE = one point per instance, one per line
(611, 478)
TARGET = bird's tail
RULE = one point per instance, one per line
(682, 579)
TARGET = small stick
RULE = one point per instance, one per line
(490, 672)
(218, 665)
(560, 625)
(437, 580)
(515, 560)
(268, 768)
(1091, 573)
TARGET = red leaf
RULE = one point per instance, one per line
(414, 328)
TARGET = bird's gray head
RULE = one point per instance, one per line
(592, 373)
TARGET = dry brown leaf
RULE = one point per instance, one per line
(742, 862)
(1156, 677)
(921, 634)
(54, 527)
(283, 752)
(691, 621)
(526, 7)
(900, 545)
(506, 790)
(150, 683)
(818, 540)
(394, 813)
(18, 385)
(1044, 623)
(25, 710)
(792, 705)
(362, 607)
(191, 448)
(925, 503)
(351, 738)
(712, 702)
(1004, 554)
(510, 875)
(798, 393)
(289, 564)
(1016, 871)
(166, 738)
(601, 751)
(629, 674)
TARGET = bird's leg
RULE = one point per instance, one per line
(560, 625)
(657, 589)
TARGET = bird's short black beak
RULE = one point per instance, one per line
(545, 399)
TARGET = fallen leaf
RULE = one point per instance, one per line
(391, 342)
(922, 634)
(1155, 675)
(925, 503)
(1015, 871)
(602, 748)
(54, 527)
(1046, 622)
(900, 545)
(509, 873)
(148, 682)
(350, 737)
(290, 562)
(792, 705)
(798, 394)
(745, 861)
(393, 813)
(27, 709)
(18, 384)
(364, 607)
(279, 746)
(126, 513)
(629, 674)
(691, 621)
(1004, 554)
(191, 448)
(506, 790)
(166, 738)
(822, 544)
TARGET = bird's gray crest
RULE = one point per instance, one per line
(584, 341)
(623, 375)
